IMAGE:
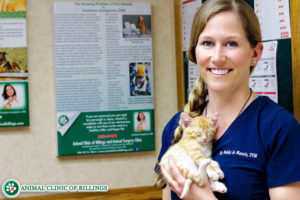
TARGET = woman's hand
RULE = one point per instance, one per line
(177, 184)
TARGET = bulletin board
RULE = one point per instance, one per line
(283, 64)
(284, 67)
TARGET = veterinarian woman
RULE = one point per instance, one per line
(257, 141)
(10, 97)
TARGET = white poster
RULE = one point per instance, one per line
(274, 18)
(189, 8)
(263, 80)
(104, 77)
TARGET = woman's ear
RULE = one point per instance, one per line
(257, 53)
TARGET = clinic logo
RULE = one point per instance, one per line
(63, 120)
(11, 188)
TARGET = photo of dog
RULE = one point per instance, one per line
(136, 26)
(13, 64)
(140, 79)
(8, 66)
(142, 26)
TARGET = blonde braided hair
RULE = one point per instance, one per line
(196, 98)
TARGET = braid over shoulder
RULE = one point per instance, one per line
(196, 98)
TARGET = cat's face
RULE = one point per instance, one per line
(200, 128)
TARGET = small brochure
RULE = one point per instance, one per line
(14, 106)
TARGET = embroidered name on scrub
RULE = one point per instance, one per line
(238, 153)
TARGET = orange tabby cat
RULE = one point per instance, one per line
(192, 154)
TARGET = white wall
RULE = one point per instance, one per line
(30, 154)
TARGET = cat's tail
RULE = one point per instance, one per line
(186, 188)
(159, 179)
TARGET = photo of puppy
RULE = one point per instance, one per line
(140, 79)
(8, 66)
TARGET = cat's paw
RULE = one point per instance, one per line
(220, 174)
(218, 187)
(212, 175)
(214, 171)
(215, 174)
(204, 163)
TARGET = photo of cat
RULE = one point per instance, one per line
(192, 154)
(12, 5)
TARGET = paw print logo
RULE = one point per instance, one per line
(11, 188)
(63, 120)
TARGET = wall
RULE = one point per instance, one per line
(30, 154)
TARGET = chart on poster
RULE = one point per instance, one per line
(104, 77)
(263, 80)
(274, 18)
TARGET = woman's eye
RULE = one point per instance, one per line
(207, 43)
(232, 44)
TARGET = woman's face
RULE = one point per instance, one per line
(224, 54)
(10, 91)
(141, 116)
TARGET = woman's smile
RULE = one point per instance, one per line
(219, 71)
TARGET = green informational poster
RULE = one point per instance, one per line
(105, 132)
(14, 106)
(104, 77)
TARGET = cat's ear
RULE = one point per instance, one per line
(214, 119)
(185, 120)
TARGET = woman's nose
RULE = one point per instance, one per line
(218, 55)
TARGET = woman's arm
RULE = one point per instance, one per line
(286, 192)
(166, 193)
